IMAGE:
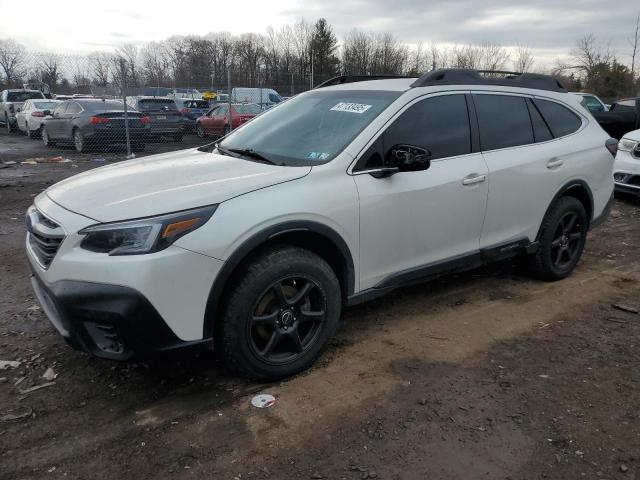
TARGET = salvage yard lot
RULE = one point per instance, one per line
(487, 374)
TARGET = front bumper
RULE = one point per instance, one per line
(626, 173)
(108, 321)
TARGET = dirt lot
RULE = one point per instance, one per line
(489, 374)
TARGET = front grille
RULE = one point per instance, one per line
(45, 236)
(636, 151)
(634, 180)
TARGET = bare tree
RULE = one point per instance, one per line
(523, 59)
(389, 55)
(155, 63)
(130, 53)
(100, 68)
(589, 54)
(12, 61)
(48, 69)
(357, 49)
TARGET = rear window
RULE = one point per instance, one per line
(45, 105)
(624, 106)
(106, 106)
(561, 120)
(248, 109)
(153, 104)
(196, 104)
(23, 96)
(504, 121)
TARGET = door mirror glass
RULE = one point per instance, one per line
(408, 158)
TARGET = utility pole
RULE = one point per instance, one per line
(123, 74)
(311, 82)
(229, 97)
(291, 84)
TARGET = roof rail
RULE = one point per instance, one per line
(460, 76)
(340, 79)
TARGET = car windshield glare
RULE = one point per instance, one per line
(312, 128)
(22, 96)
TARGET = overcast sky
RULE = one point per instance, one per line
(550, 27)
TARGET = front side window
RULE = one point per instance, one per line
(312, 128)
(561, 120)
(438, 124)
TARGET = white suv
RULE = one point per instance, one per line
(626, 170)
(254, 244)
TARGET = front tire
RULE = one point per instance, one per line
(79, 141)
(283, 309)
(562, 239)
(200, 131)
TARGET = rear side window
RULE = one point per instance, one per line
(73, 108)
(439, 124)
(504, 121)
(561, 120)
(541, 132)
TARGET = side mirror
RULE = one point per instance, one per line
(408, 158)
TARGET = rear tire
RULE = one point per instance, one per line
(45, 138)
(562, 239)
(200, 131)
(281, 312)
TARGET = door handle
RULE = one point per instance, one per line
(555, 163)
(473, 179)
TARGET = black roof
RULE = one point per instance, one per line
(459, 76)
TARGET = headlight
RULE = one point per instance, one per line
(627, 145)
(145, 235)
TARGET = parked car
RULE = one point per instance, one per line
(166, 119)
(265, 97)
(592, 102)
(191, 110)
(92, 123)
(31, 116)
(626, 169)
(622, 117)
(254, 244)
(216, 120)
(10, 103)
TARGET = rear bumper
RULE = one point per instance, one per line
(108, 321)
(599, 220)
(116, 136)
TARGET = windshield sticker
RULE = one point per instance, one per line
(318, 156)
(351, 107)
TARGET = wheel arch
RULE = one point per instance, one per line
(313, 236)
(578, 189)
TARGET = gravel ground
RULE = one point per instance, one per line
(488, 374)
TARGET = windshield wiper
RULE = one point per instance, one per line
(251, 153)
(224, 151)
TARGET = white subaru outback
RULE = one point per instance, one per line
(253, 244)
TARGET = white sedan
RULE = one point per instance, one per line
(626, 170)
(32, 114)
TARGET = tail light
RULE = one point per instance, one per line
(38, 114)
(146, 120)
(99, 120)
(612, 146)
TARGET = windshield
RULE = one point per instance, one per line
(247, 109)
(22, 96)
(312, 128)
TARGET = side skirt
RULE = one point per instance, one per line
(452, 265)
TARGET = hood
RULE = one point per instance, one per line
(165, 183)
(633, 135)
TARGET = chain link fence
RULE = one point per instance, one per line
(110, 105)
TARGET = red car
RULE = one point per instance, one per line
(216, 121)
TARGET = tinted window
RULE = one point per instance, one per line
(561, 120)
(541, 132)
(151, 104)
(23, 96)
(102, 106)
(439, 124)
(504, 121)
